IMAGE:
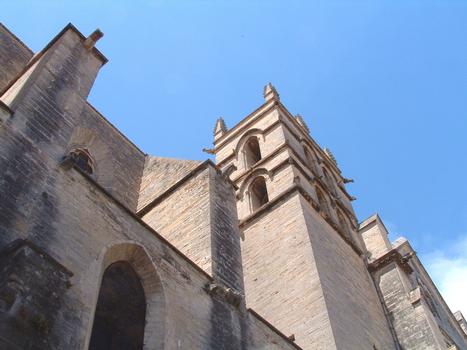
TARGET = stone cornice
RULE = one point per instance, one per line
(20, 243)
(307, 140)
(253, 116)
(301, 138)
(305, 136)
(392, 256)
(262, 161)
(315, 178)
(297, 189)
(233, 154)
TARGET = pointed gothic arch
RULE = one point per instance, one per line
(120, 314)
(128, 267)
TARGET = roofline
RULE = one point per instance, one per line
(41, 53)
(140, 221)
(126, 138)
(413, 255)
(16, 38)
(373, 218)
(202, 166)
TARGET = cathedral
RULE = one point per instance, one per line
(105, 247)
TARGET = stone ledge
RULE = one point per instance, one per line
(391, 256)
(226, 294)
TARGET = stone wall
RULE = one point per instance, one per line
(159, 175)
(375, 237)
(73, 225)
(191, 315)
(198, 216)
(281, 277)
(419, 315)
(14, 56)
(356, 315)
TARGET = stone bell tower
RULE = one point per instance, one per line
(303, 259)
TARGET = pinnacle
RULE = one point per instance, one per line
(270, 93)
(220, 127)
(302, 122)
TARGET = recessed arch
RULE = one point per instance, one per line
(252, 132)
(248, 179)
(120, 314)
(323, 202)
(311, 158)
(343, 224)
(251, 152)
(135, 255)
(258, 193)
(240, 147)
(330, 181)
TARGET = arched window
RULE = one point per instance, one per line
(323, 203)
(252, 152)
(82, 159)
(120, 312)
(258, 193)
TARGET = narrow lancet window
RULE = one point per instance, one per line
(258, 193)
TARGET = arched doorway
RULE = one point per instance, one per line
(121, 310)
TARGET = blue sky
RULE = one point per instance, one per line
(381, 83)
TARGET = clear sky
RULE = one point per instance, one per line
(382, 83)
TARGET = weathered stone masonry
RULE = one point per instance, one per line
(261, 251)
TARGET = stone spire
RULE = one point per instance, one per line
(220, 128)
(302, 123)
(270, 93)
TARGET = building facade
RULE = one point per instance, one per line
(105, 247)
